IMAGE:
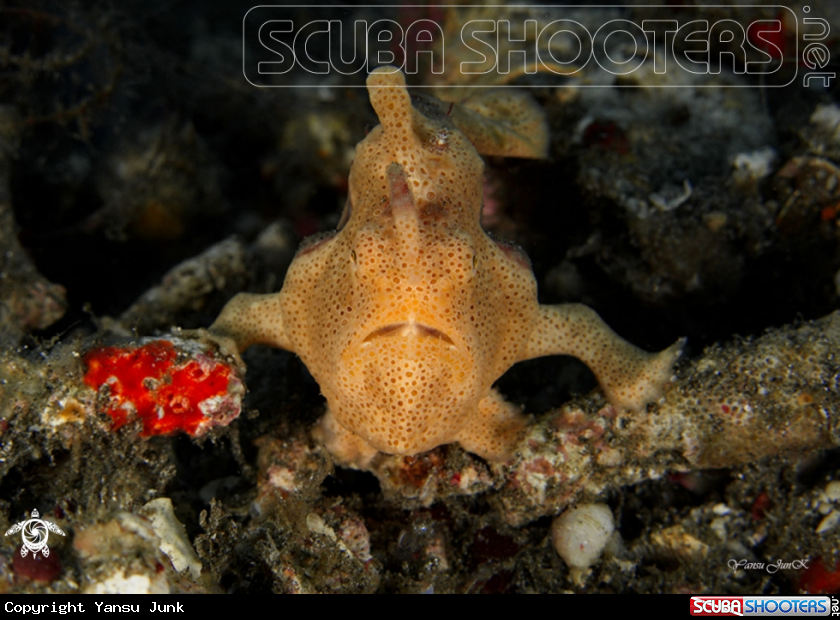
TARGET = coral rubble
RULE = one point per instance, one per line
(143, 183)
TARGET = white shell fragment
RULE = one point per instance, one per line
(580, 535)
(832, 491)
(828, 507)
(829, 522)
(173, 536)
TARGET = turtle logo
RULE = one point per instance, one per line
(35, 534)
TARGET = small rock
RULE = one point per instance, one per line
(580, 535)
(173, 536)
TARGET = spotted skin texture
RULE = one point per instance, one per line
(409, 313)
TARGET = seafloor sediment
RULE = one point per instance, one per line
(144, 182)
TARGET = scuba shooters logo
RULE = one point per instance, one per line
(798, 606)
(282, 48)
